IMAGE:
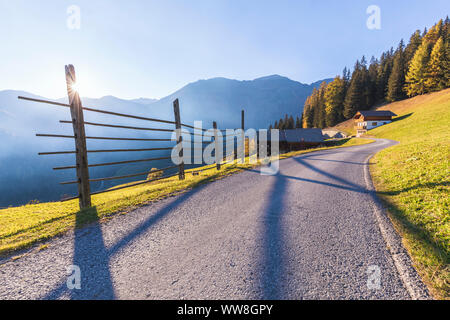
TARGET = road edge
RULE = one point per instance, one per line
(402, 261)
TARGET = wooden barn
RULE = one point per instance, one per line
(298, 139)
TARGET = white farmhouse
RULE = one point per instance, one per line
(366, 120)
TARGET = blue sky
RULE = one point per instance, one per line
(149, 48)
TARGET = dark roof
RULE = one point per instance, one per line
(300, 135)
(381, 113)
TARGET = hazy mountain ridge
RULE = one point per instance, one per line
(146, 101)
(221, 99)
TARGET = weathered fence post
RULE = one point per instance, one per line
(76, 112)
(243, 135)
(216, 141)
(176, 111)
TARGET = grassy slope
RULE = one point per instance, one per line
(413, 179)
(347, 127)
(24, 226)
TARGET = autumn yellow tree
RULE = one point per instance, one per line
(436, 73)
(334, 101)
(416, 77)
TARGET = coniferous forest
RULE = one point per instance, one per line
(287, 123)
(419, 67)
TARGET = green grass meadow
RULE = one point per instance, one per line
(413, 180)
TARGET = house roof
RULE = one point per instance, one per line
(381, 113)
(300, 135)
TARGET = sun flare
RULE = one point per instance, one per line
(76, 87)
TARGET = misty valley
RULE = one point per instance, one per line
(26, 176)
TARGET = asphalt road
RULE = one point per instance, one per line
(309, 232)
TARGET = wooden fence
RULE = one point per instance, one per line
(81, 152)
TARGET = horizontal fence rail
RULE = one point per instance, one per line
(118, 126)
(99, 138)
(114, 163)
(82, 165)
(110, 113)
(99, 111)
(123, 177)
(100, 151)
(45, 101)
(126, 186)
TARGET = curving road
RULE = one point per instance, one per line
(310, 232)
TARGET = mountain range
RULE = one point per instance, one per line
(25, 176)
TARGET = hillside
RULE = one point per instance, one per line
(413, 179)
(414, 68)
(347, 127)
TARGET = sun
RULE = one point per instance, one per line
(76, 87)
(84, 85)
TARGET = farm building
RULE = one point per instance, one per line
(333, 134)
(297, 139)
(366, 120)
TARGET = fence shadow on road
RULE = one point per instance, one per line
(338, 161)
(152, 220)
(345, 184)
(93, 257)
(348, 185)
(272, 266)
(272, 263)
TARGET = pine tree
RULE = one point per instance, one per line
(275, 126)
(354, 97)
(308, 117)
(346, 75)
(308, 112)
(397, 78)
(366, 85)
(291, 123)
(436, 74)
(415, 79)
(446, 30)
(414, 42)
(447, 63)
(318, 105)
(373, 73)
(286, 122)
(433, 34)
(298, 123)
(315, 105)
(384, 72)
(334, 102)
